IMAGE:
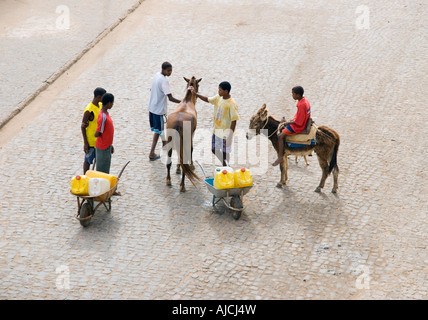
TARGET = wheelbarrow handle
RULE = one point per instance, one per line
(201, 168)
(121, 171)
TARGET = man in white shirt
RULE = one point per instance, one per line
(158, 105)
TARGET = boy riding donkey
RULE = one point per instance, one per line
(298, 124)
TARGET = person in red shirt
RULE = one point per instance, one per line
(104, 134)
(298, 124)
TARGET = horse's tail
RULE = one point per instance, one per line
(185, 150)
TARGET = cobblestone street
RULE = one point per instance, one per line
(365, 79)
(40, 40)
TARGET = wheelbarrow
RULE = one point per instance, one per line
(232, 198)
(86, 206)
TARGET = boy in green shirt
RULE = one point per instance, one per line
(225, 117)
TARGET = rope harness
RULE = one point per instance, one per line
(267, 120)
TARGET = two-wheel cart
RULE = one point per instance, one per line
(232, 198)
(86, 204)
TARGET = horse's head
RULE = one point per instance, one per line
(257, 122)
(193, 83)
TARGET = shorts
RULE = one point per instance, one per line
(103, 159)
(156, 123)
(90, 155)
(220, 144)
(288, 130)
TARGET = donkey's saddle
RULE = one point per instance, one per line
(306, 138)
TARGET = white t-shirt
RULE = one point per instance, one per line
(158, 95)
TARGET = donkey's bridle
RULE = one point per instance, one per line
(267, 120)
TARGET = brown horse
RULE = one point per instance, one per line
(326, 147)
(180, 127)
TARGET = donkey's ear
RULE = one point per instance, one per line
(199, 80)
(187, 80)
(263, 108)
(264, 114)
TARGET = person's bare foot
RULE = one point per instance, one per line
(277, 162)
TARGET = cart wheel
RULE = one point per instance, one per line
(85, 211)
(236, 203)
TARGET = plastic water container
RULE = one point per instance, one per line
(243, 178)
(220, 169)
(98, 174)
(79, 185)
(224, 180)
(98, 186)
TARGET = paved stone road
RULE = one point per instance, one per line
(40, 39)
(367, 242)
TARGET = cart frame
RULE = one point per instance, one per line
(232, 198)
(86, 207)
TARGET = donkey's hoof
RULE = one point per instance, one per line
(318, 190)
(334, 191)
(178, 171)
(279, 185)
(168, 182)
(182, 189)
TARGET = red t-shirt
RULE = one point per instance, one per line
(105, 127)
(302, 115)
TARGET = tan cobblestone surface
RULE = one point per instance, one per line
(40, 39)
(367, 242)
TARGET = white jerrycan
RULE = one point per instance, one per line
(98, 186)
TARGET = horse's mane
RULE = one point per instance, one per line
(188, 95)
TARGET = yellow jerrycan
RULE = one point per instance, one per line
(219, 169)
(80, 185)
(99, 174)
(224, 180)
(243, 178)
